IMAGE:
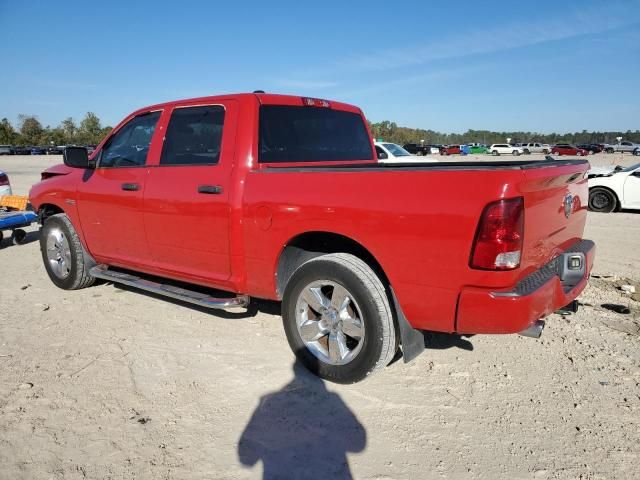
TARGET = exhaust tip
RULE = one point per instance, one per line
(534, 330)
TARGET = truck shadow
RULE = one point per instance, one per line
(432, 340)
(302, 431)
(442, 341)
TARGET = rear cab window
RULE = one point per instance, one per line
(194, 136)
(303, 134)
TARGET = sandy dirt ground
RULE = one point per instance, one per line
(111, 383)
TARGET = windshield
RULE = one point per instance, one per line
(631, 168)
(396, 150)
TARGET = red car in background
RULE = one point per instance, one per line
(566, 149)
(450, 150)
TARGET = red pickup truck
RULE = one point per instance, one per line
(281, 197)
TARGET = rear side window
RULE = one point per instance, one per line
(311, 134)
(194, 136)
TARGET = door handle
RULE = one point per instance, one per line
(131, 187)
(210, 189)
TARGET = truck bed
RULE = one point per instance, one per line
(418, 221)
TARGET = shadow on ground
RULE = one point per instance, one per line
(442, 341)
(302, 431)
(31, 237)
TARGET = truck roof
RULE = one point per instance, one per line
(263, 98)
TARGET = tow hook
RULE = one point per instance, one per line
(534, 330)
(571, 307)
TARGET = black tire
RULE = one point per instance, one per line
(78, 276)
(559, 153)
(579, 153)
(545, 151)
(516, 153)
(495, 153)
(379, 341)
(610, 150)
(527, 151)
(18, 236)
(602, 200)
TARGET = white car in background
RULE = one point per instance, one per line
(614, 189)
(505, 149)
(391, 153)
(536, 147)
(5, 186)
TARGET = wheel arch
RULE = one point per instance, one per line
(305, 246)
(45, 210)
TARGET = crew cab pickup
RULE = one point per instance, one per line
(221, 199)
(622, 147)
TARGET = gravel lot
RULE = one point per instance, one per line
(112, 383)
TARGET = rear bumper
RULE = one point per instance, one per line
(482, 310)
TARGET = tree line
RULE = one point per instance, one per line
(391, 132)
(30, 132)
(90, 131)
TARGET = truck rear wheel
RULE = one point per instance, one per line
(337, 318)
(63, 255)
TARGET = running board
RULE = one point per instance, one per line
(190, 296)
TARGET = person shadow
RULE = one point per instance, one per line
(302, 431)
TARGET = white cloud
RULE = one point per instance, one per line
(534, 31)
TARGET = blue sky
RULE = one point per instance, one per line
(448, 66)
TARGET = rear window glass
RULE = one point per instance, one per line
(311, 134)
(194, 136)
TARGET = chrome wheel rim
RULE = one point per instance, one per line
(58, 253)
(330, 322)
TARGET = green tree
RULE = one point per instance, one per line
(7, 133)
(69, 130)
(90, 131)
(30, 129)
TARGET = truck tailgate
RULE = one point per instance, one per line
(556, 201)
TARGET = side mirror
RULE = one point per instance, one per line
(76, 157)
(382, 156)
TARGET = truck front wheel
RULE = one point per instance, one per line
(337, 318)
(63, 254)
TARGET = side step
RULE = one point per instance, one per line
(190, 296)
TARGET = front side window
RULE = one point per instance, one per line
(311, 134)
(129, 146)
(194, 136)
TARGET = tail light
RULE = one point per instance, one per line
(4, 180)
(498, 241)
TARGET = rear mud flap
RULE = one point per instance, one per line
(412, 340)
